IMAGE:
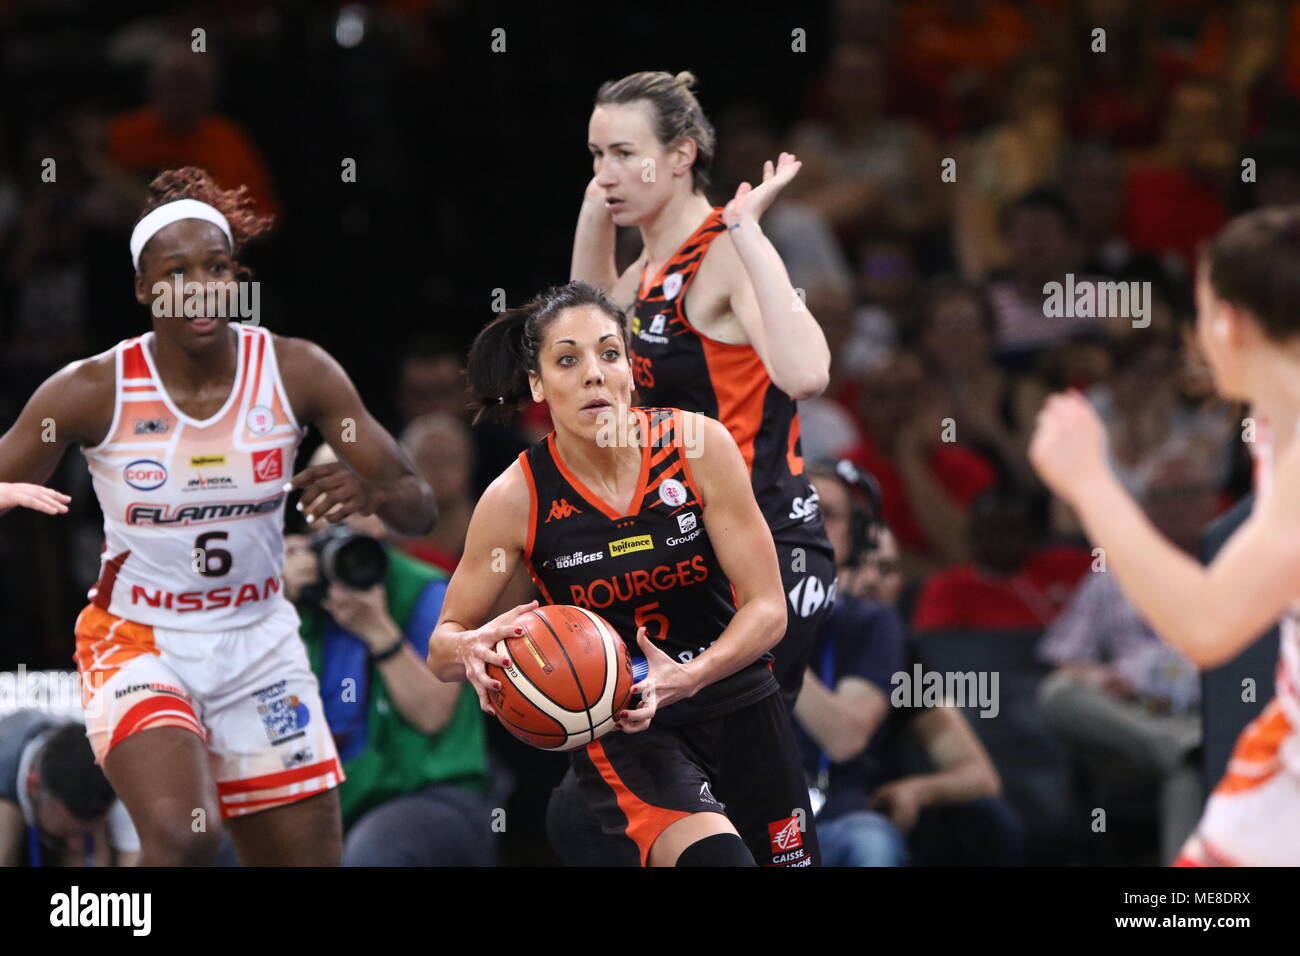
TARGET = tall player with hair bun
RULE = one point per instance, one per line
(676, 556)
(199, 699)
(717, 328)
(1247, 287)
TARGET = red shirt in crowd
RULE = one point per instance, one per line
(964, 597)
(963, 473)
(1167, 210)
(429, 553)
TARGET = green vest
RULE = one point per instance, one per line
(398, 759)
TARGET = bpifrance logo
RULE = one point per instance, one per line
(785, 835)
(268, 465)
(145, 474)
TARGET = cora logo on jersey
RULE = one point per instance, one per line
(145, 474)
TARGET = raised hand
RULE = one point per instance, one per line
(750, 203)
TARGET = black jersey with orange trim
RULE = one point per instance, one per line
(653, 566)
(673, 363)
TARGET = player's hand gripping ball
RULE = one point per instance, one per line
(568, 679)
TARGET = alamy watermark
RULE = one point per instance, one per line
(220, 300)
(1090, 299)
(922, 688)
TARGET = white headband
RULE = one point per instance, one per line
(165, 215)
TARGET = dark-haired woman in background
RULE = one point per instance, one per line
(200, 704)
(704, 771)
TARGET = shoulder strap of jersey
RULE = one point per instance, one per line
(671, 445)
(685, 262)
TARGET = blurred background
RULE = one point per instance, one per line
(470, 166)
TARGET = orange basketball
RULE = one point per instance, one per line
(570, 674)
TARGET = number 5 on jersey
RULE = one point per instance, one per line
(644, 618)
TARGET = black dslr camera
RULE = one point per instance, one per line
(356, 561)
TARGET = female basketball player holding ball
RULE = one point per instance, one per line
(1247, 288)
(200, 703)
(705, 770)
(717, 327)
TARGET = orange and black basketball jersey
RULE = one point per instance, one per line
(675, 364)
(653, 567)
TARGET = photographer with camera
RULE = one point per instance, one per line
(413, 748)
(870, 810)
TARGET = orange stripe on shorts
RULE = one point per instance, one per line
(645, 822)
(1255, 757)
(105, 644)
(162, 710)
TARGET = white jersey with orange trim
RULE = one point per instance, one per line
(1288, 660)
(193, 510)
(1253, 816)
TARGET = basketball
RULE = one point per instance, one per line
(570, 674)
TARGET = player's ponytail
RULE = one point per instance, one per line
(497, 369)
(505, 350)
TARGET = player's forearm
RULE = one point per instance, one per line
(1167, 586)
(942, 522)
(443, 658)
(425, 702)
(13, 830)
(801, 372)
(838, 728)
(407, 505)
(593, 248)
(754, 630)
(968, 780)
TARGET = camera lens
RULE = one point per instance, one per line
(355, 561)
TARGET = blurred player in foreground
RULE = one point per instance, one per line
(1247, 287)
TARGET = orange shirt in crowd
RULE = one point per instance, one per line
(987, 45)
(138, 141)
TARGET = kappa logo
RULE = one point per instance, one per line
(561, 509)
(268, 465)
(785, 835)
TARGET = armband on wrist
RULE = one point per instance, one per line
(380, 656)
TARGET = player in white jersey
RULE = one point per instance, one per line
(197, 689)
(1248, 326)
